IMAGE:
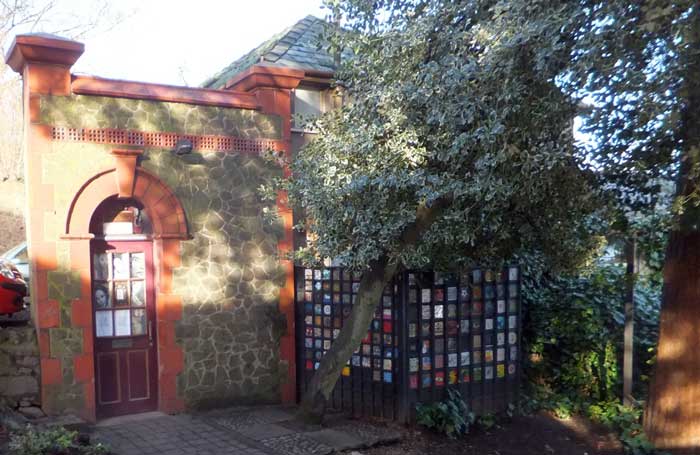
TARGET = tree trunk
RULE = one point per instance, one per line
(356, 327)
(628, 357)
(672, 418)
(354, 330)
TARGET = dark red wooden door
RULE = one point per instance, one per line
(123, 302)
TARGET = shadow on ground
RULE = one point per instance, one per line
(540, 434)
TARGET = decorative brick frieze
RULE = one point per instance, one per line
(162, 140)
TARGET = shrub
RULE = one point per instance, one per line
(627, 422)
(451, 416)
(54, 441)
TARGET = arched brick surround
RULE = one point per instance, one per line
(161, 204)
(169, 229)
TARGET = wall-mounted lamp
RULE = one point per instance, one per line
(183, 147)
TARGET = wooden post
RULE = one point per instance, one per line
(628, 358)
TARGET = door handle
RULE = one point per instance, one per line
(150, 333)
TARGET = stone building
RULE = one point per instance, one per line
(158, 281)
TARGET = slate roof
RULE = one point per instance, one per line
(295, 47)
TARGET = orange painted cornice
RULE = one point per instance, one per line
(96, 86)
(262, 76)
(41, 48)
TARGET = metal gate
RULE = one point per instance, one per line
(431, 332)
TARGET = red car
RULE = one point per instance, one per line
(13, 289)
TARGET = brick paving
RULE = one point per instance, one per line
(173, 435)
(245, 431)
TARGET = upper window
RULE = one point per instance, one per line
(307, 103)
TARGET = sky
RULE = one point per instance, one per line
(172, 41)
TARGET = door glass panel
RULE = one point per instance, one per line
(100, 296)
(138, 265)
(122, 323)
(103, 323)
(120, 266)
(138, 322)
(121, 293)
(138, 293)
(100, 266)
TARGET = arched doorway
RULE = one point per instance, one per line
(158, 226)
(123, 305)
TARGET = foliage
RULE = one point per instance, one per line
(629, 61)
(573, 333)
(487, 421)
(451, 416)
(451, 102)
(53, 441)
(627, 422)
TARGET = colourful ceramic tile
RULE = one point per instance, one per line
(476, 357)
(476, 374)
(512, 337)
(439, 311)
(451, 310)
(439, 361)
(452, 328)
(452, 360)
(488, 373)
(439, 379)
(452, 377)
(451, 344)
(439, 294)
(500, 355)
(439, 346)
(439, 328)
(500, 306)
(387, 326)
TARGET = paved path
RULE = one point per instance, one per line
(244, 431)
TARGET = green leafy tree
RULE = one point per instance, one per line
(639, 61)
(456, 147)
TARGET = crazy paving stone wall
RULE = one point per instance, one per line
(230, 277)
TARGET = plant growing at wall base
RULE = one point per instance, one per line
(54, 441)
(450, 417)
